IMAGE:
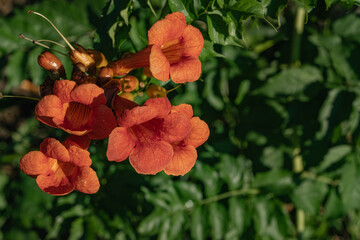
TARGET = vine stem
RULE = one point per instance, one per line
(298, 31)
(250, 191)
(23, 97)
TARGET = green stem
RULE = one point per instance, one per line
(296, 41)
(23, 97)
(225, 195)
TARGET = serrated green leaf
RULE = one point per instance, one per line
(275, 180)
(217, 220)
(334, 155)
(290, 82)
(251, 7)
(77, 229)
(218, 29)
(188, 191)
(231, 170)
(16, 62)
(333, 207)
(350, 186)
(272, 157)
(150, 225)
(198, 228)
(178, 6)
(309, 195)
(209, 177)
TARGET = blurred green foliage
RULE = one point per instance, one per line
(283, 107)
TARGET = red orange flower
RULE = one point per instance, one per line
(185, 154)
(77, 109)
(61, 168)
(173, 51)
(145, 134)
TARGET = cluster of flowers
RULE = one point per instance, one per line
(97, 104)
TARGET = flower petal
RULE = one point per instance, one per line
(175, 127)
(185, 109)
(88, 94)
(63, 88)
(79, 156)
(79, 141)
(193, 42)
(137, 116)
(87, 181)
(199, 132)
(187, 70)
(34, 163)
(102, 122)
(151, 157)
(183, 160)
(170, 28)
(159, 65)
(49, 107)
(161, 105)
(120, 104)
(54, 149)
(120, 145)
(55, 184)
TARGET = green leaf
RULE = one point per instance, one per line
(14, 70)
(348, 26)
(251, 7)
(231, 170)
(77, 229)
(309, 195)
(198, 227)
(178, 6)
(217, 220)
(272, 157)
(124, 13)
(274, 180)
(333, 207)
(150, 225)
(209, 177)
(290, 82)
(334, 155)
(218, 29)
(188, 191)
(243, 89)
(350, 186)
(238, 220)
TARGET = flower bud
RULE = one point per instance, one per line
(104, 76)
(154, 91)
(80, 55)
(51, 63)
(99, 58)
(129, 83)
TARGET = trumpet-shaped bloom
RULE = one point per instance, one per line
(174, 48)
(77, 109)
(60, 168)
(145, 134)
(185, 153)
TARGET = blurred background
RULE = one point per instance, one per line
(280, 91)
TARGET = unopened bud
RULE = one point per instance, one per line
(104, 76)
(99, 58)
(51, 63)
(129, 83)
(154, 91)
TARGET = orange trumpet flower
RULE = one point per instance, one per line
(185, 154)
(174, 48)
(77, 109)
(145, 134)
(61, 168)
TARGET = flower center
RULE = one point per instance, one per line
(77, 116)
(172, 50)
